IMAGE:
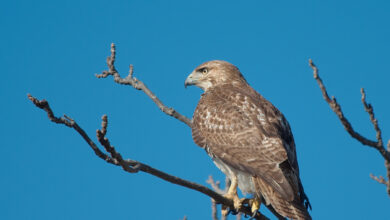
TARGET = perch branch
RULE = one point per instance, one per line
(132, 166)
(139, 85)
(378, 144)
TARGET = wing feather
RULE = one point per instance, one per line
(247, 132)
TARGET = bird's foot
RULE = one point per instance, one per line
(237, 203)
(253, 204)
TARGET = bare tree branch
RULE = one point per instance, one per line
(214, 214)
(44, 105)
(139, 85)
(216, 187)
(132, 166)
(378, 144)
(370, 110)
(379, 179)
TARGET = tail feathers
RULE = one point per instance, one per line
(303, 197)
(289, 209)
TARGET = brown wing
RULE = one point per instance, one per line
(248, 133)
(290, 209)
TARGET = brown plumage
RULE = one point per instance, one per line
(248, 138)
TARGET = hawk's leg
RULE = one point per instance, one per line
(232, 194)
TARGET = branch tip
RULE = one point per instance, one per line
(379, 179)
(378, 144)
(131, 70)
(113, 51)
(315, 69)
(104, 125)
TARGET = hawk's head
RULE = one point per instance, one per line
(214, 73)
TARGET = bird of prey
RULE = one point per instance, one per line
(249, 139)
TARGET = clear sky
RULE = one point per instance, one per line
(52, 49)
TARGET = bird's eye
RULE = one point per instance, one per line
(204, 70)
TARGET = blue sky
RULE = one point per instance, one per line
(52, 49)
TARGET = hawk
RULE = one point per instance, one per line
(249, 140)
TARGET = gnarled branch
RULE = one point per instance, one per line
(129, 165)
(378, 144)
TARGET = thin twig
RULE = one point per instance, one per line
(378, 144)
(214, 214)
(139, 85)
(216, 187)
(379, 179)
(129, 165)
(370, 110)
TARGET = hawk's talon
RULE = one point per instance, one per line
(254, 205)
(253, 215)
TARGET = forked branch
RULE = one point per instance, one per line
(376, 144)
(129, 165)
(139, 85)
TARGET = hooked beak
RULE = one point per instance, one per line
(192, 79)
